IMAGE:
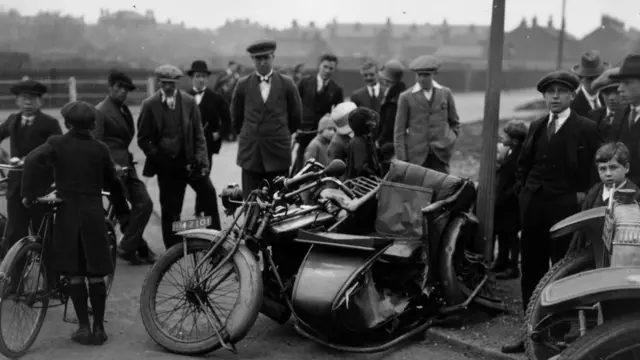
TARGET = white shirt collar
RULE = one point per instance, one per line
(197, 90)
(416, 88)
(268, 76)
(606, 192)
(562, 117)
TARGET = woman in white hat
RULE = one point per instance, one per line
(340, 141)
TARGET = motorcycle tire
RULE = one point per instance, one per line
(614, 340)
(240, 319)
(573, 263)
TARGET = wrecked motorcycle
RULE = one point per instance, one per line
(361, 271)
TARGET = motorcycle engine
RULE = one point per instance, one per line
(232, 198)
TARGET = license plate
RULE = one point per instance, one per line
(196, 223)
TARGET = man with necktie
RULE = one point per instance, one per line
(555, 170)
(214, 111)
(625, 127)
(27, 129)
(587, 99)
(115, 127)
(608, 89)
(265, 110)
(371, 94)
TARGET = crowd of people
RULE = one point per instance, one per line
(545, 172)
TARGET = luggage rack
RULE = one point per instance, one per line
(363, 185)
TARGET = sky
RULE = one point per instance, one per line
(582, 15)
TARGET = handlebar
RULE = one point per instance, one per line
(445, 202)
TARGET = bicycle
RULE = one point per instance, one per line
(29, 257)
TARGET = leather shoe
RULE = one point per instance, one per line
(131, 257)
(148, 256)
(515, 348)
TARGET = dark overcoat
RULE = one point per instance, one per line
(507, 212)
(361, 97)
(150, 126)
(316, 105)
(620, 130)
(264, 128)
(580, 105)
(81, 167)
(115, 127)
(215, 116)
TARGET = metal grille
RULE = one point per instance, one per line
(363, 185)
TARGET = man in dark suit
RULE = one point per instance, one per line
(27, 129)
(170, 134)
(371, 94)
(115, 127)
(214, 111)
(319, 94)
(555, 170)
(265, 110)
(625, 127)
(391, 75)
(587, 99)
(608, 89)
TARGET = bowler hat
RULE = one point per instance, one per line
(198, 66)
(262, 47)
(393, 70)
(30, 87)
(591, 65)
(118, 77)
(79, 114)
(425, 64)
(168, 73)
(630, 68)
(605, 80)
(563, 77)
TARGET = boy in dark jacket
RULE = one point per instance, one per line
(81, 167)
(507, 215)
(362, 157)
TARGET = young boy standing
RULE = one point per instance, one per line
(318, 148)
(81, 167)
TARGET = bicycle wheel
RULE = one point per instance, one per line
(23, 289)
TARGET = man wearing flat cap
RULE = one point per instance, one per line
(391, 76)
(214, 111)
(555, 170)
(427, 124)
(171, 135)
(265, 109)
(625, 127)
(115, 127)
(27, 129)
(608, 90)
(587, 98)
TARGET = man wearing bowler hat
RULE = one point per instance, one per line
(27, 129)
(427, 125)
(587, 99)
(214, 111)
(391, 76)
(170, 134)
(625, 126)
(265, 109)
(555, 170)
(115, 127)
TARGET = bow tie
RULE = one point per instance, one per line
(200, 92)
(265, 79)
(27, 120)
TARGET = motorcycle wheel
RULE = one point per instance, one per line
(240, 318)
(615, 340)
(573, 263)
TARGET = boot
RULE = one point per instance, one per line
(98, 297)
(78, 295)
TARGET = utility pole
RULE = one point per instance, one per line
(490, 123)
(561, 36)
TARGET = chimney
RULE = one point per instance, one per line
(388, 22)
(414, 27)
(472, 29)
(294, 24)
(550, 22)
(523, 23)
(358, 26)
(312, 24)
(534, 22)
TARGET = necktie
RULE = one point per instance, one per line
(633, 116)
(372, 92)
(322, 86)
(551, 129)
(200, 92)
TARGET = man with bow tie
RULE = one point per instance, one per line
(171, 135)
(214, 111)
(26, 130)
(115, 127)
(265, 110)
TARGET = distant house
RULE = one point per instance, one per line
(298, 44)
(611, 39)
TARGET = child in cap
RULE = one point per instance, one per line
(340, 142)
(318, 148)
(81, 167)
(362, 158)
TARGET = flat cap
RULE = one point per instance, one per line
(168, 73)
(120, 78)
(30, 87)
(79, 114)
(605, 80)
(393, 70)
(562, 77)
(262, 47)
(425, 64)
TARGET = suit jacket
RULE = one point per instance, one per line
(21, 144)
(581, 105)
(599, 116)
(116, 129)
(314, 105)
(580, 148)
(422, 126)
(150, 128)
(361, 97)
(264, 128)
(214, 111)
(388, 109)
(594, 196)
(616, 133)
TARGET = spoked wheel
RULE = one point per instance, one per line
(188, 310)
(23, 299)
